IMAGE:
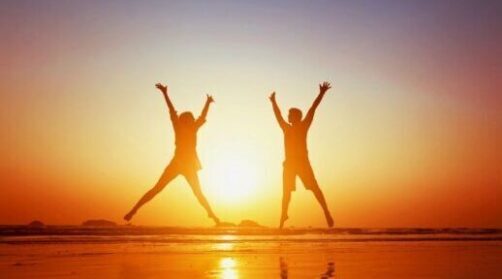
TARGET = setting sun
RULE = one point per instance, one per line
(234, 174)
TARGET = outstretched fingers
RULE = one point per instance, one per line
(272, 96)
(161, 87)
(325, 86)
(210, 98)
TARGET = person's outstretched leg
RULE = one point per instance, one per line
(308, 178)
(286, 198)
(193, 180)
(320, 198)
(288, 181)
(169, 174)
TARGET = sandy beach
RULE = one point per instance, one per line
(236, 254)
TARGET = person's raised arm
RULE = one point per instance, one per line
(202, 118)
(277, 111)
(323, 88)
(172, 111)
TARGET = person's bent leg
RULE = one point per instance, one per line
(288, 180)
(169, 174)
(308, 178)
(193, 179)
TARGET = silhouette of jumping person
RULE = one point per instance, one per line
(185, 161)
(296, 161)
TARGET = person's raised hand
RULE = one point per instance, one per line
(272, 97)
(161, 87)
(325, 86)
(209, 98)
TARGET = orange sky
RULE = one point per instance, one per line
(408, 136)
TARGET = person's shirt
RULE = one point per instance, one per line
(295, 142)
(295, 136)
(186, 138)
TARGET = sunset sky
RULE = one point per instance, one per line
(410, 134)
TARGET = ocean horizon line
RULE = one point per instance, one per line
(27, 230)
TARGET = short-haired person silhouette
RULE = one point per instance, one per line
(185, 161)
(296, 161)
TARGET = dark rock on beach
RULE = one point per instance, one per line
(250, 224)
(36, 224)
(225, 224)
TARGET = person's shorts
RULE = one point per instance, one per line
(185, 166)
(304, 171)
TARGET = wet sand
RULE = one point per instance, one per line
(247, 256)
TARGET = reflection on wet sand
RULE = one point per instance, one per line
(330, 272)
(227, 268)
(283, 266)
(247, 259)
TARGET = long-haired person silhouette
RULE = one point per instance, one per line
(296, 161)
(185, 161)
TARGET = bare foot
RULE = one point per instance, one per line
(216, 220)
(283, 219)
(329, 220)
(129, 216)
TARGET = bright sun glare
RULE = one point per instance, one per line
(234, 175)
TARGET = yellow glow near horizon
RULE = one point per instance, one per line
(225, 246)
